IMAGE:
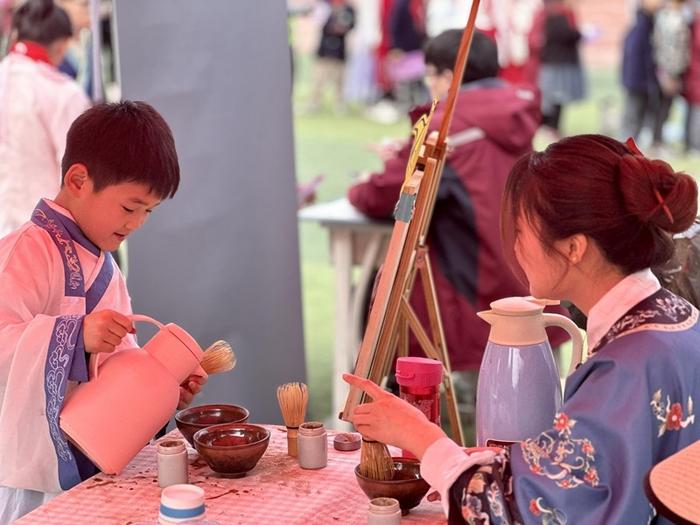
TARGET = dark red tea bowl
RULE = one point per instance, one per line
(232, 449)
(192, 419)
(407, 485)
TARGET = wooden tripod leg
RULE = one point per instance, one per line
(432, 352)
(402, 328)
(428, 283)
(389, 356)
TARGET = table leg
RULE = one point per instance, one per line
(341, 247)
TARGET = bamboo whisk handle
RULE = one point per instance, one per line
(292, 441)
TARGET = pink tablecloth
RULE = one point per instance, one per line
(276, 491)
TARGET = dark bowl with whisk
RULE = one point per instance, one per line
(407, 486)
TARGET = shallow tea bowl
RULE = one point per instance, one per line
(232, 449)
(192, 419)
(407, 485)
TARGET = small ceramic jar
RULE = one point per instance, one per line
(172, 462)
(312, 445)
(181, 504)
(384, 511)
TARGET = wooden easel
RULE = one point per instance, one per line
(391, 315)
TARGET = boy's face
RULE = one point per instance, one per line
(109, 216)
(438, 83)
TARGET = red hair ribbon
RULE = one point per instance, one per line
(632, 146)
(663, 205)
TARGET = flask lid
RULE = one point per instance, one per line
(516, 306)
(418, 371)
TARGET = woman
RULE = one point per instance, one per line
(586, 220)
(37, 106)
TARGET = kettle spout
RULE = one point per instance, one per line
(488, 315)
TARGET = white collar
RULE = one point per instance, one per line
(58, 208)
(617, 301)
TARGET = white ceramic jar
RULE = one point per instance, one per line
(312, 444)
(172, 462)
(181, 504)
(384, 511)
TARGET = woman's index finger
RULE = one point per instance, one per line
(369, 387)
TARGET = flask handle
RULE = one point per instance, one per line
(95, 360)
(576, 337)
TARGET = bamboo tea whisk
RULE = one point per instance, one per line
(218, 358)
(293, 398)
(375, 461)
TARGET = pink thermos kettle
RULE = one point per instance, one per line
(130, 396)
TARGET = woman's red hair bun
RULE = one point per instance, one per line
(656, 194)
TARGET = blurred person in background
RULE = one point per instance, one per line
(384, 111)
(361, 71)
(639, 72)
(405, 62)
(77, 60)
(671, 39)
(38, 104)
(513, 30)
(691, 89)
(400, 65)
(5, 22)
(555, 40)
(329, 69)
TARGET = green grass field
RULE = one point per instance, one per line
(337, 147)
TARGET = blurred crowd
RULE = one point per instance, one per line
(661, 62)
(538, 44)
(370, 54)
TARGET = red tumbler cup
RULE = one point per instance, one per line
(419, 381)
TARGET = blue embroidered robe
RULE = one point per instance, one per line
(628, 407)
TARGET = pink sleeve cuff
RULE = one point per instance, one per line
(444, 461)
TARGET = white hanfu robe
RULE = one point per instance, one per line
(51, 275)
(38, 104)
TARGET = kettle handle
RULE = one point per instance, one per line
(576, 337)
(95, 360)
(138, 317)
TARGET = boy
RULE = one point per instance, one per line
(63, 299)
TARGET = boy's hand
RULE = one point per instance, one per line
(190, 388)
(103, 331)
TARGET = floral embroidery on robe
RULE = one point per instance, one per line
(671, 414)
(566, 460)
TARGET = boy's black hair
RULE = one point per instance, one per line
(126, 141)
(441, 52)
(41, 21)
